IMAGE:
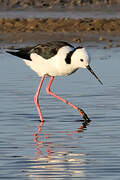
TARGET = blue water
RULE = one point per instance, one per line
(59, 149)
(107, 13)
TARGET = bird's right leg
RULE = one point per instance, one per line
(82, 113)
(36, 98)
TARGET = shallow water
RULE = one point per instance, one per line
(107, 14)
(59, 149)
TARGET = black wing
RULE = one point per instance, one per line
(49, 49)
(46, 50)
(23, 53)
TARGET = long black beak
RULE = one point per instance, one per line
(90, 69)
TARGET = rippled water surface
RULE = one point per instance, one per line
(58, 149)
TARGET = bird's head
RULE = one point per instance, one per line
(81, 59)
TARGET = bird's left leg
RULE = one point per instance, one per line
(83, 114)
(36, 98)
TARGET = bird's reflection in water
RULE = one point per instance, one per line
(40, 144)
(54, 159)
(84, 125)
(48, 145)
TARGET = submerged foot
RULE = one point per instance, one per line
(84, 115)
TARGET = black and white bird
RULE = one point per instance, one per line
(52, 59)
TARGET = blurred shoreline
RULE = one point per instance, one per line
(19, 30)
(83, 23)
(57, 4)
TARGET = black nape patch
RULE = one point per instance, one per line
(68, 57)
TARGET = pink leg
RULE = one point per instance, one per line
(78, 109)
(36, 98)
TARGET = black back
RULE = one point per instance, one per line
(49, 49)
(46, 50)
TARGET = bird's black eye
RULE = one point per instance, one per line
(81, 60)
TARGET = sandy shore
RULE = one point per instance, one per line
(35, 30)
(59, 25)
(19, 30)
